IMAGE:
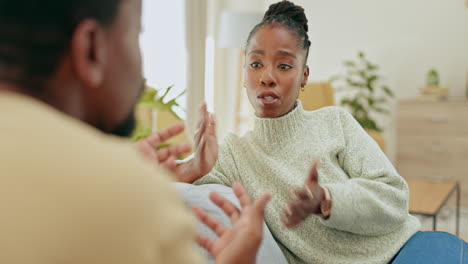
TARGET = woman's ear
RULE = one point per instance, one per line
(88, 54)
(305, 76)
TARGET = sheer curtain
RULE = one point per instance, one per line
(196, 23)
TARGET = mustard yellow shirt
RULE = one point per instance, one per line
(70, 194)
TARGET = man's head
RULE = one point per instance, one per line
(80, 56)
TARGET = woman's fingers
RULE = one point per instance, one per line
(296, 211)
(290, 216)
(304, 194)
(202, 124)
(212, 125)
(312, 179)
(292, 219)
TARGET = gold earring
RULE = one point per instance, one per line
(302, 87)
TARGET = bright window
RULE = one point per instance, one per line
(163, 46)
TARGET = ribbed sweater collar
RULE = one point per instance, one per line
(277, 131)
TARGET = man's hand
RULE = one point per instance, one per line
(304, 201)
(206, 150)
(165, 157)
(240, 242)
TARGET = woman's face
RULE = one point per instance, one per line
(274, 71)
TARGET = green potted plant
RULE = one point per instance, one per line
(151, 101)
(433, 89)
(432, 77)
(363, 94)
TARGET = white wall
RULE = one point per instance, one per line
(405, 37)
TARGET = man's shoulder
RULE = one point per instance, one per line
(37, 138)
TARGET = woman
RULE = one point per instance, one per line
(352, 206)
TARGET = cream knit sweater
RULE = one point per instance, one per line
(369, 221)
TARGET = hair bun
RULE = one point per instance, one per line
(290, 10)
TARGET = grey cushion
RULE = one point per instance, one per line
(269, 251)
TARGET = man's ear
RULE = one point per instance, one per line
(88, 54)
(305, 76)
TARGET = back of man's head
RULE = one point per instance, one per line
(79, 56)
(35, 33)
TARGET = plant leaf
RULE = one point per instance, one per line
(140, 133)
(388, 91)
(381, 100)
(345, 101)
(354, 83)
(373, 78)
(371, 66)
(148, 95)
(381, 110)
(368, 123)
(168, 89)
(182, 93)
(349, 63)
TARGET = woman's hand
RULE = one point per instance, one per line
(304, 201)
(206, 150)
(240, 242)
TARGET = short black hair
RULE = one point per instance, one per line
(289, 15)
(35, 34)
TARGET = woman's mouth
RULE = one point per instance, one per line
(268, 99)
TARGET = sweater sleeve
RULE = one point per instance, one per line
(224, 172)
(374, 200)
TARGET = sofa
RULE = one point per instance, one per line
(269, 252)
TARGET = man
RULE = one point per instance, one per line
(69, 71)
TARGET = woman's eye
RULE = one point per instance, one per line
(255, 64)
(285, 67)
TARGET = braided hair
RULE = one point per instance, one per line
(289, 15)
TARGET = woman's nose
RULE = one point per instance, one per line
(267, 79)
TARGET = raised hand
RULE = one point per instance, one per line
(240, 242)
(206, 149)
(304, 201)
(165, 157)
